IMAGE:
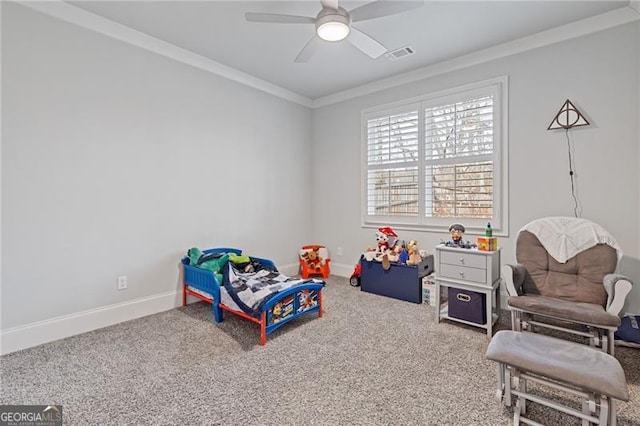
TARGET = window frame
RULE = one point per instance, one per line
(497, 87)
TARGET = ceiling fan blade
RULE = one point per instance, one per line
(280, 19)
(380, 8)
(331, 4)
(309, 49)
(365, 43)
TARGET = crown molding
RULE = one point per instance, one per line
(555, 35)
(74, 15)
(93, 22)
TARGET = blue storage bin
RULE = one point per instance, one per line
(403, 282)
(467, 305)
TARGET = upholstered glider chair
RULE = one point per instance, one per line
(564, 280)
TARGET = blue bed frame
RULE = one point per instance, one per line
(285, 306)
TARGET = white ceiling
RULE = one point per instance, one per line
(438, 31)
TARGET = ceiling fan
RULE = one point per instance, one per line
(333, 23)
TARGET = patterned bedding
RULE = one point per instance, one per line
(250, 290)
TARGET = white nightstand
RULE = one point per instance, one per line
(465, 271)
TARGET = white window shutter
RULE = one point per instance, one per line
(392, 164)
(459, 159)
(437, 159)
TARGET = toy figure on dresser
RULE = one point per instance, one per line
(457, 232)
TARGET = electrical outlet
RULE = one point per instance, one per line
(339, 251)
(122, 282)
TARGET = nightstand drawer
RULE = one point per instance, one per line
(463, 273)
(463, 259)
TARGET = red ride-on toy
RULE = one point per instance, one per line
(355, 276)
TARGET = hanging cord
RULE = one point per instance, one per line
(573, 192)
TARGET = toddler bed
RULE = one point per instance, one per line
(254, 290)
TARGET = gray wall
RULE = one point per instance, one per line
(116, 160)
(599, 73)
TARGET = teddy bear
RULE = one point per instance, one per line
(313, 259)
(414, 255)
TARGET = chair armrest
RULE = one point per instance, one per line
(513, 276)
(617, 287)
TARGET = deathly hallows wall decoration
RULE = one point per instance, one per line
(568, 117)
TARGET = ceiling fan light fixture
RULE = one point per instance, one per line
(332, 27)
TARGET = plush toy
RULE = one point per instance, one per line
(313, 259)
(414, 256)
(213, 262)
(386, 263)
(239, 258)
(386, 239)
(403, 256)
(394, 254)
(241, 262)
(385, 250)
(369, 254)
(194, 254)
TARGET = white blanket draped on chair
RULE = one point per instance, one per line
(564, 237)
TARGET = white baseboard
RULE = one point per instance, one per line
(37, 333)
(342, 269)
(290, 269)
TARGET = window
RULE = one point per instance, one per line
(438, 159)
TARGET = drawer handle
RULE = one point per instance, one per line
(462, 273)
(463, 297)
(462, 260)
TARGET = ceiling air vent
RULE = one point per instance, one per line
(400, 53)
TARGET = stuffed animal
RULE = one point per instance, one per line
(369, 254)
(394, 254)
(386, 239)
(403, 256)
(414, 255)
(383, 242)
(313, 259)
(385, 250)
(241, 262)
(213, 262)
